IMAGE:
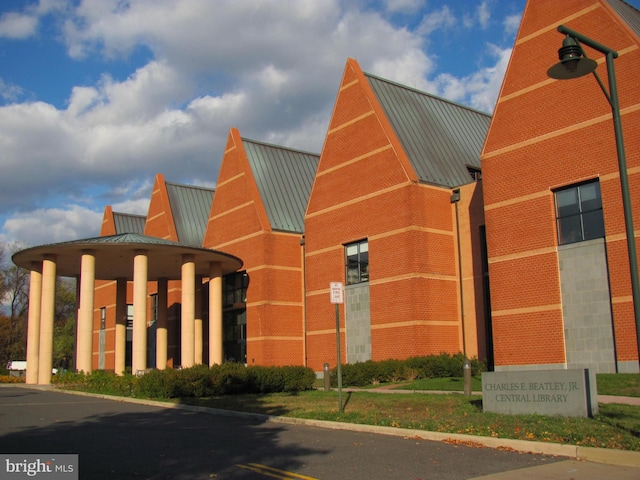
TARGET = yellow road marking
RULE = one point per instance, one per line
(274, 472)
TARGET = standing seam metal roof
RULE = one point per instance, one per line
(441, 138)
(129, 223)
(284, 178)
(628, 13)
(190, 207)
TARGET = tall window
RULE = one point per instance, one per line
(103, 318)
(235, 288)
(579, 213)
(235, 316)
(357, 262)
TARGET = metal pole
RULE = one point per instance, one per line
(622, 166)
(626, 197)
(339, 362)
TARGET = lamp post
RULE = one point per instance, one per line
(573, 64)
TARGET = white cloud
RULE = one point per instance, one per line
(53, 225)
(511, 24)
(403, 6)
(439, 19)
(270, 68)
(16, 25)
(479, 90)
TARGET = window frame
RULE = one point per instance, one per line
(581, 221)
(361, 263)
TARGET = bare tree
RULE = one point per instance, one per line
(14, 307)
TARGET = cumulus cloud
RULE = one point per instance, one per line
(480, 89)
(404, 6)
(16, 25)
(439, 19)
(269, 68)
(43, 226)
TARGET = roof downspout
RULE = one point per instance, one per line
(304, 300)
(455, 198)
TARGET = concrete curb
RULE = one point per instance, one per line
(590, 454)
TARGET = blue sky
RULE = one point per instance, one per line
(97, 96)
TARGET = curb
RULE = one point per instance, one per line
(590, 454)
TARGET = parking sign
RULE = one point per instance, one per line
(336, 292)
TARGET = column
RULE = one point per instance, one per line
(33, 325)
(215, 314)
(198, 326)
(162, 324)
(121, 326)
(140, 274)
(84, 342)
(187, 322)
(47, 311)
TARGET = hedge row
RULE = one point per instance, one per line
(198, 381)
(391, 371)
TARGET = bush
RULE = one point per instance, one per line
(99, 381)
(391, 371)
(10, 379)
(230, 378)
(157, 384)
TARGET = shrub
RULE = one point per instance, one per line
(158, 384)
(298, 378)
(11, 379)
(229, 378)
(194, 382)
(431, 366)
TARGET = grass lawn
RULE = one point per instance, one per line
(623, 384)
(616, 426)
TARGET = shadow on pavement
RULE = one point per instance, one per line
(136, 441)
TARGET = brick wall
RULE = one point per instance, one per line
(547, 134)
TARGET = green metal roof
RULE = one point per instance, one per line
(128, 223)
(115, 257)
(284, 178)
(629, 14)
(190, 207)
(441, 138)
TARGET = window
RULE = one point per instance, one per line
(235, 288)
(103, 318)
(129, 317)
(154, 307)
(474, 173)
(357, 260)
(579, 213)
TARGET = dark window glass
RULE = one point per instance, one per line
(579, 213)
(235, 288)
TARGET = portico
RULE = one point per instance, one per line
(123, 258)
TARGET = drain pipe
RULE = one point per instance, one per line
(455, 198)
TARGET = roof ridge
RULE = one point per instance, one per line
(130, 214)
(422, 92)
(186, 185)
(280, 147)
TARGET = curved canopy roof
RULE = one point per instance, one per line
(114, 257)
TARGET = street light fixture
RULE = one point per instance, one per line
(573, 64)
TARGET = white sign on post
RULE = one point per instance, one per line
(336, 292)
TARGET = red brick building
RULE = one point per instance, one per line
(558, 262)
(397, 181)
(395, 214)
(394, 208)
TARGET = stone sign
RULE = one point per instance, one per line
(571, 393)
